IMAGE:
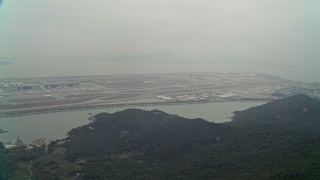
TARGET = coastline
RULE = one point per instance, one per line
(94, 106)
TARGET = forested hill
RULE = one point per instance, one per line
(153, 134)
(278, 140)
(298, 111)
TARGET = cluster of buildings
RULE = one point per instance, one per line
(199, 97)
(286, 92)
(19, 143)
(21, 86)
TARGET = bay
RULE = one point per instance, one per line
(56, 125)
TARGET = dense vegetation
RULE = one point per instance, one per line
(15, 162)
(279, 140)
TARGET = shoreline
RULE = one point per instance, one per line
(88, 107)
(122, 106)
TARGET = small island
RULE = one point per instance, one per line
(3, 131)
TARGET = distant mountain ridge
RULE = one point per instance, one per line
(159, 57)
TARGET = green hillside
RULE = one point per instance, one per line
(278, 140)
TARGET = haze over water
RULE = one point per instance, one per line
(63, 38)
(83, 68)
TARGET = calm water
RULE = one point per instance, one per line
(55, 125)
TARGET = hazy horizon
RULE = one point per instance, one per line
(69, 38)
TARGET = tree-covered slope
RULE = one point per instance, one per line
(298, 111)
(143, 143)
(278, 140)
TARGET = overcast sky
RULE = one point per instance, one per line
(262, 33)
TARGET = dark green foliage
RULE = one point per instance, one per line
(292, 112)
(9, 158)
(274, 141)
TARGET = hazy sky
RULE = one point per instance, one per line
(229, 35)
